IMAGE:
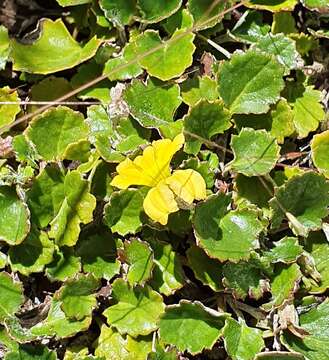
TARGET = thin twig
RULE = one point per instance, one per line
(40, 103)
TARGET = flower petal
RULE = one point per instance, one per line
(151, 167)
(188, 185)
(159, 203)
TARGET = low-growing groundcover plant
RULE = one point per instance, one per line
(164, 175)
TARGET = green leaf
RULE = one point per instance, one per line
(137, 311)
(78, 297)
(46, 195)
(72, 2)
(315, 345)
(282, 121)
(61, 127)
(31, 352)
(139, 256)
(283, 48)
(242, 341)
(120, 12)
(11, 295)
(307, 108)
(283, 22)
(304, 200)
(272, 5)
(181, 19)
(199, 88)
(33, 254)
(321, 6)
(165, 60)
(223, 234)
(112, 345)
(245, 279)
(64, 266)
(77, 208)
(255, 152)
(320, 149)
(128, 68)
(287, 250)
(203, 121)
(279, 355)
(251, 190)
(152, 104)
(250, 82)
(8, 112)
(98, 255)
(60, 51)
(181, 321)
(317, 246)
(123, 212)
(207, 270)
(283, 284)
(168, 275)
(250, 28)
(78, 151)
(24, 150)
(58, 325)
(14, 217)
(206, 13)
(4, 47)
(155, 11)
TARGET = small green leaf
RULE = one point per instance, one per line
(123, 212)
(61, 127)
(283, 22)
(168, 275)
(8, 112)
(320, 150)
(225, 235)
(14, 217)
(283, 48)
(245, 279)
(242, 341)
(287, 250)
(207, 270)
(11, 295)
(58, 325)
(64, 266)
(307, 108)
(306, 198)
(203, 121)
(321, 6)
(128, 68)
(155, 11)
(250, 82)
(283, 284)
(315, 345)
(181, 19)
(180, 321)
(137, 311)
(282, 121)
(31, 352)
(77, 208)
(33, 254)
(4, 46)
(251, 27)
(78, 296)
(139, 256)
(255, 152)
(24, 150)
(272, 5)
(206, 13)
(120, 12)
(152, 104)
(57, 45)
(165, 60)
(78, 151)
(98, 255)
(46, 195)
(251, 190)
(62, 51)
(199, 88)
(72, 2)
(317, 246)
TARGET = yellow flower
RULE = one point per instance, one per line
(152, 169)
